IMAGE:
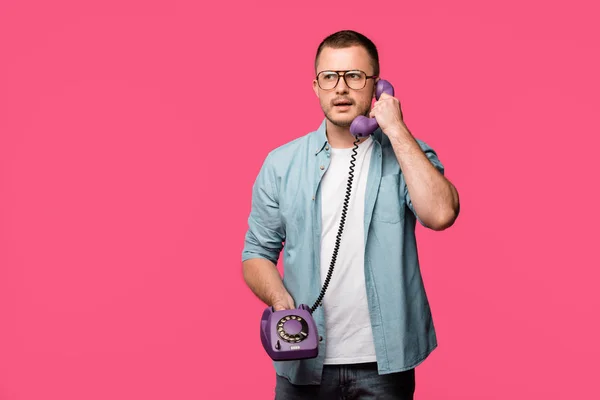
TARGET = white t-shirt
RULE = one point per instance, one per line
(349, 334)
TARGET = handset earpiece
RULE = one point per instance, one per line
(365, 126)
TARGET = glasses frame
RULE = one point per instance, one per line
(342, 74)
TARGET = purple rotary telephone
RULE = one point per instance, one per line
(292, 334)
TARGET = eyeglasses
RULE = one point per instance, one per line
(355, 79)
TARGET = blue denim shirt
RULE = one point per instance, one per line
(286, 215)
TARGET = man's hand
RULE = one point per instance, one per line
(388, 114)
(285, 303)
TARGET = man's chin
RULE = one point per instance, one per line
(342, 122)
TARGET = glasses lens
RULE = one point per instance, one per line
(328, 79)
(356, 79)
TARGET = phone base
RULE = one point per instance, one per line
(289, 334)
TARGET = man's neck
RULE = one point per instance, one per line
(339, 137)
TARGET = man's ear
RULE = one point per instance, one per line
(375, 86)
(316, 87)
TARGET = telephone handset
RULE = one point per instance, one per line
(364, 126)
(292, 334)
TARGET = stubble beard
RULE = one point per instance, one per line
(342, 123)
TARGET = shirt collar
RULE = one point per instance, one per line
(319, 137)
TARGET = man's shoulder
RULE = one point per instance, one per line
(293, 151)
(291, 147)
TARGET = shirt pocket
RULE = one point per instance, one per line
(389, 206)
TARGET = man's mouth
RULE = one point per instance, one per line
(342, 103)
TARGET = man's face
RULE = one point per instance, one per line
(342, 104)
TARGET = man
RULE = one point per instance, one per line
(375, 323)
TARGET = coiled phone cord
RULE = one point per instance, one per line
(341, 228)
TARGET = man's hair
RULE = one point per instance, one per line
(348, 38)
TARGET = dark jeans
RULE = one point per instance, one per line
(346, 382)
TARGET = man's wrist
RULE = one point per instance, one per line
(401, 138)
(278, 298)
(283, 300)
(398, 132)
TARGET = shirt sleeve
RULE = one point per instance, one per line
(433, 158)
(265, 235)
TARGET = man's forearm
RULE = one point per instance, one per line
(434, 198)
(262, 277)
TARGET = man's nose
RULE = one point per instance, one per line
(341, 87)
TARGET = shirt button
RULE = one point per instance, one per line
(322, 167)
(326, 147)
(313, 198)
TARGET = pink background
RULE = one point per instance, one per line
(131, 133)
